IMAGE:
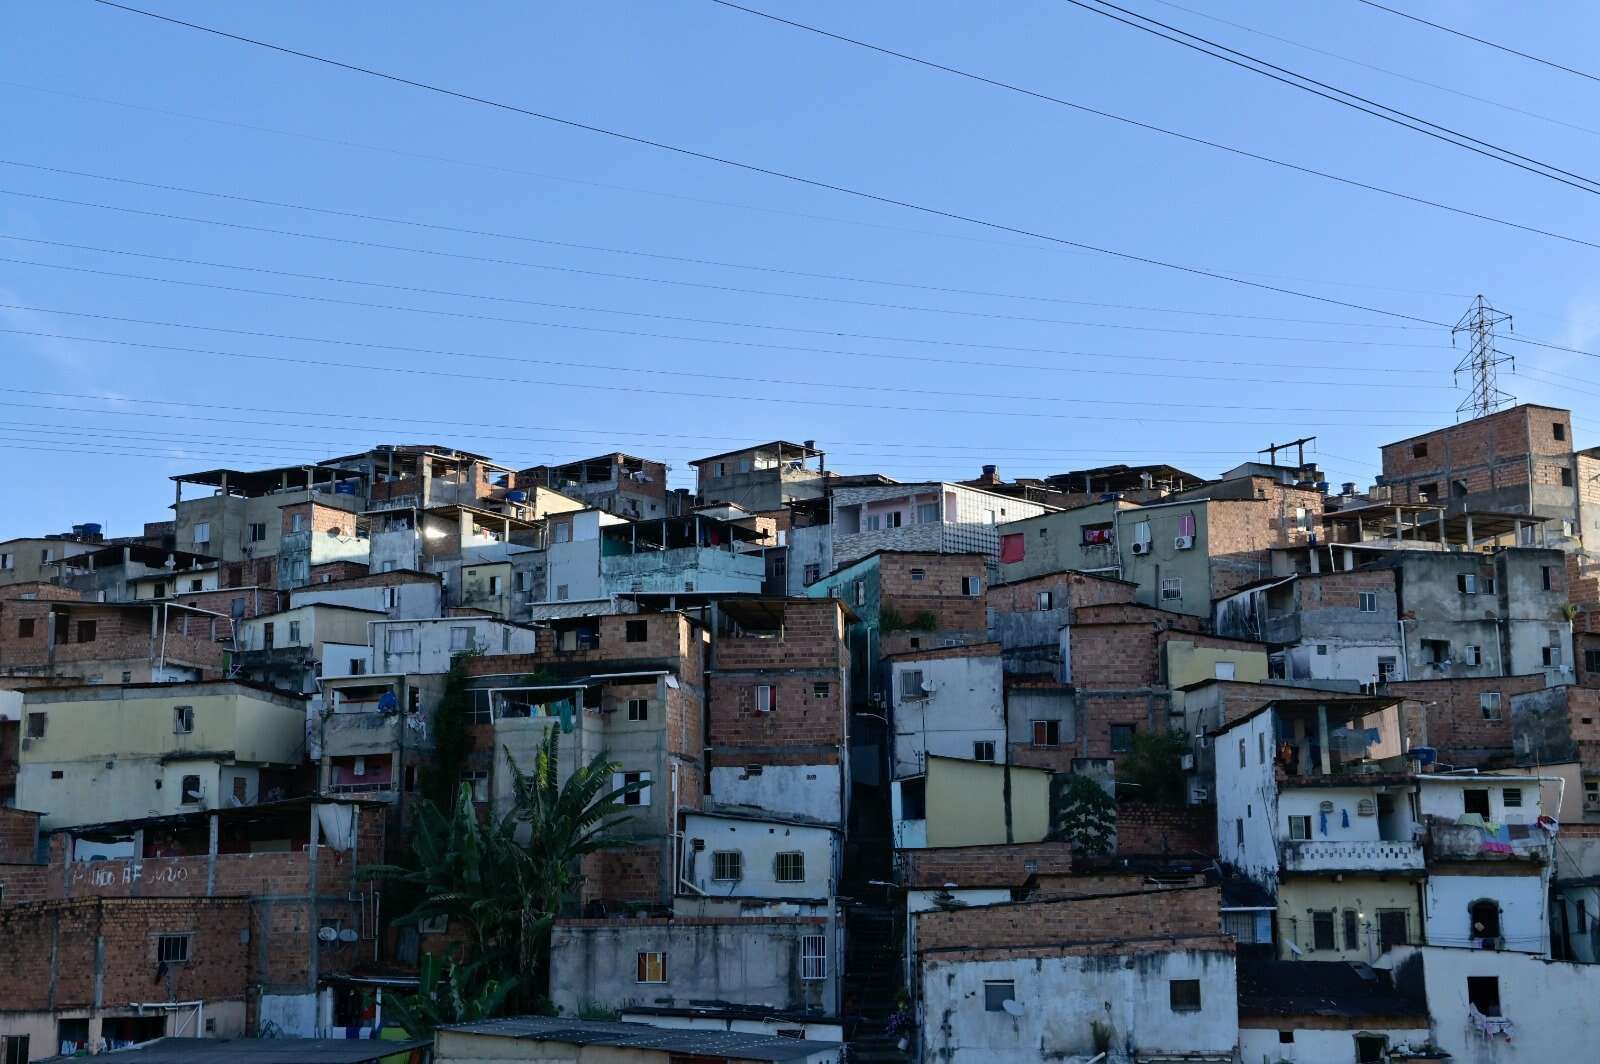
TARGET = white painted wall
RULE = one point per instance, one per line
(1443, 796)
(1249, 795)
(964, 706)
(759, 843)
(576, 565)
(336, 659)
(920, 901)
(812, 791)
(1344, 824)
(431, 642)
(810, 1031)
(1542, 998)
(1060, 996)
(1313, 1045)
(1524, 909)
(1343, 661)
(410, 600)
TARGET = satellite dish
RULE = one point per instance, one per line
(328, 934)
(348, 934)
(1012, 1005)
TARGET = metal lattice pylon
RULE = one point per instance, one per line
(1482, 359)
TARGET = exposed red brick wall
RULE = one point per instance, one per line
(1107, 918)
(123, 636)
(1447, 714)
(632, 874)
(984, 866)
(955, 615)
(327, 574)
(1147, 828)
(1070, 589)
(19, 835)
(1487, 453)
(1089, 884)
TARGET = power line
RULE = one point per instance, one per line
(810, 182)
(1480, 40)
(1381, 70)
(639, 334)
(639, 190)
(1150, 127)
(656, 315)
(640, 253)
(1343, 97)
(699, 396)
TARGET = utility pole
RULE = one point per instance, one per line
(1272, 450)
(1481, 359)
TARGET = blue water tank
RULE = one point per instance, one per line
(90, 530)
(516, 495)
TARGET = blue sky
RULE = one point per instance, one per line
(930, 382)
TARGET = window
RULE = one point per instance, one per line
(1352, 930)
(159, 590)
(914, 799)
(927, 513)
(1047, 601)
(127, 676)
(1047, 733)
(563, 533)
(971, 585)
(766, 696)
(1472, 654)
(637, 631)
(478, 780)
(813, 958)
(911, 685)
(1322, 650)
(652, 968)
(858, 593)
(638, 709)
(1483, 992)
(1427, 492)
(36, 724)
(400, 640)
(460, 639)
(1484, 915)
(1302, 519)
(1476, 800)
(390, 566)
(358, 666)
(172, 949)
(636, 797)
(1184, 995)
(1241, 753)
(25, 628)
(1223, 670)
(297, 522)
(1566, 477)
(1458, 488)
(1368, 601)
(996, 992)
(789, 867)
(8, 561)
(1580, 919)
(16, 1047)
(1547, 575)
(258, 531)
(1419, 450)
(983, 750)
(812, 573)
(294, 631)
(1558, 430)
(86, 631)
(523, 579)
(202, 532)
(495, 584)
(1387, 667)
(1322, 930)
(1511, 797)
(1171, 588)
(1372, 1048)
(182, 720)
(561, 592)
(727, 866)
(1552, 652)
(1121, 738)
(1261, 748)
(1141, 534)
(1285, 1037)
(1392, 928)
(1299, 828)
(266, 635)
(820, 689)
(1238, 830)
(1467, 583)
(1489, 703)
(190, 791)
(1436, 651)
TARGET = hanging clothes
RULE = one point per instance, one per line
(1344, 818)
(1322, 822)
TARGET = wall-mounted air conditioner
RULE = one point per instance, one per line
(1141, 548)
(1183, 543)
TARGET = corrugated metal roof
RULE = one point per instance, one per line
(732, 1044)
(257, 1051)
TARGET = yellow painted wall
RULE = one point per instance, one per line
(108, 748)
(1186, 663)
(1365, 894)
(966, 803)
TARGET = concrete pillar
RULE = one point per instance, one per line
(1399, 525)
(313, 923)
(211, 854)
(1441, 526)
(1322, 740)
(1471, 543)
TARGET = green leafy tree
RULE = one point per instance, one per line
(1155, 767)
(1086, 816)
(452, 739)
(450, 992)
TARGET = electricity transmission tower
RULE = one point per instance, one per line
(1481, 359)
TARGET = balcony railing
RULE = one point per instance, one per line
(1352, 855)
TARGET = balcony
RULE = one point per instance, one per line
(1448, 841)
(1351, 855)
(360, 734)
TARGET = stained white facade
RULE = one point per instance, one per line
(814, 792)
(947, 707)
(426, 646)
(760, 858)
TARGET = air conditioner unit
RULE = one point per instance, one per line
(27, 744)
(1186, 762)
(1141, 548)
(1183, 543)
(1199, 793)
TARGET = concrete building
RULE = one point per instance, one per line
(33, 559)
(961, 802)
(168, 747)
(750, 858)
(49, 636)
(935, 517)
(779, 726)
(1182, 552)
(620, 484)
(1126, 976)
(371, 735)
(294, 648)
(400, 594)
(556, 1040)
(134, 572)
(783, 962)
(768, 476)
(427, 645)
(1311, 1012)
(947, 702)
(242, 520)
(1341, 626)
